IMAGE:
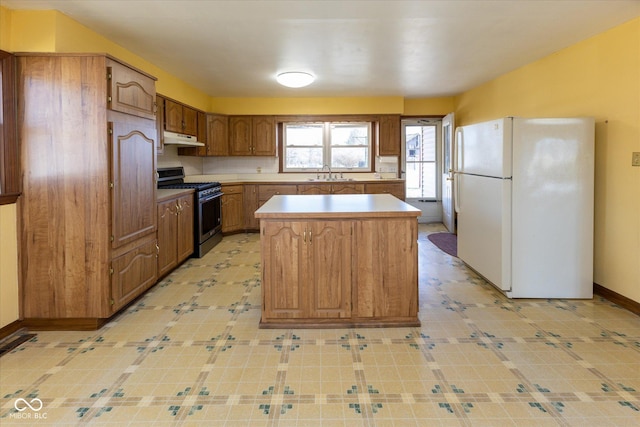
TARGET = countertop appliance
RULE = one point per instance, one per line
(207, 212)
(523, 194)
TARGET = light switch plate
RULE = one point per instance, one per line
(635, 158)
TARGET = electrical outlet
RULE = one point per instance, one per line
(635, 158)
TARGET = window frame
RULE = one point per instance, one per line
(327, 121)
(436, 123)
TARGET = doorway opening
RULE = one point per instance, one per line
(421, 154)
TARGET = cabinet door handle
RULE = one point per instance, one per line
(304, 236)
(310, 236)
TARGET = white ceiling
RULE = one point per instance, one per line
(412, 49)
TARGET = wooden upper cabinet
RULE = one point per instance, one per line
(160, 124)
(264, 135)
(252, 136)
(129, 91)
(240, 136)
(190, 120)
(172, 116)
(179, 118)
(389, 135)
(217, 135)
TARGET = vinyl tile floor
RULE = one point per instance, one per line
(189, 352)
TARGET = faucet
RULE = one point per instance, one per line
(328, 167)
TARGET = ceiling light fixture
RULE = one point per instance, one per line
(295, 79)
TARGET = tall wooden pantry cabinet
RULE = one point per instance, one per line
(88, 211)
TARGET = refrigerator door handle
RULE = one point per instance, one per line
(458, 139)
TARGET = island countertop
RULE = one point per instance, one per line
(335, 206)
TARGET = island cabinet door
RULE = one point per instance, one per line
(386, 281)
(329, 244)
(284, 287)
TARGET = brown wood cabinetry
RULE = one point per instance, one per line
(10, 179)
(324, 265)
(385, 250)
(180, 118)
(213, 131)
(327, 188)
(314, 189)
(266, 191)
(306, 269)
(232, 209)
(393, 188)
(252, 136)
(217, 135)
(175, 232)
(129, 94)
(133, 273)
(88, 229)
(389, 135)
(250, 205)
(160, 124)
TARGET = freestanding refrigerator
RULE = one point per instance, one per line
(523, 194)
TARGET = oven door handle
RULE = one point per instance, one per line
(211, 197)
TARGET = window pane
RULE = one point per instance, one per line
(343, 146)
(421, 163)
(349, 134)
(421, 143)
(303, 157)
(349, 157)
(304, 134)
(421, 180)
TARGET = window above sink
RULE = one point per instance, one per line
(332, 146)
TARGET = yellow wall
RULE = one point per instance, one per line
(9, 307)
(52, 31)
(372, 105)
(428, 106)
(598, 77)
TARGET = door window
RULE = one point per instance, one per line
(421, 160)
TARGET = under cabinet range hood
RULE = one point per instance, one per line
(172, 138)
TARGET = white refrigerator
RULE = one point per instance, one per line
(523, 195)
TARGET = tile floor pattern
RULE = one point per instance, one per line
(190, 353)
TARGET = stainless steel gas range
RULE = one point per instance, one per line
(207, 215)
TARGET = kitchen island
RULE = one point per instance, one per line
(338, 261)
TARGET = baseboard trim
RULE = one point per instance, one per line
(67, 324)
(10, 329)
(616, 298)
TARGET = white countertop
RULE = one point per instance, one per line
(336, 206)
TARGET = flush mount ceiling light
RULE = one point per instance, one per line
(295, 79)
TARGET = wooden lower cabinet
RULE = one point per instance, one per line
(307, 269)
(175, 232)
(232, 209)
(266, 191)
(133, 273)
(339, 272)
(394, 188)
(385, 249)
(249, 206)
